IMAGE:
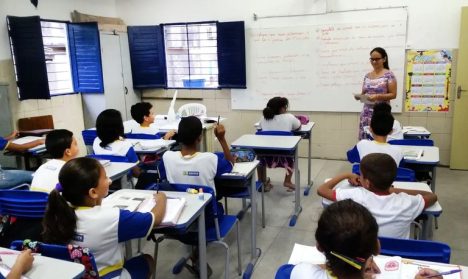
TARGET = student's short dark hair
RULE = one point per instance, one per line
(349, 229)
(382, 107)
(382, 123)
(190, 128)
(57, 141)
(109, 126)
(380, 169)
(140, 110)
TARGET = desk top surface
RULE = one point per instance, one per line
(430, 154)
(190, 211)
(267, 142)
(45, 267)
(114, 169)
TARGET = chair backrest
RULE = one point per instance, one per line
(415, 142)
(20, 203)
(284, 271)
(274, 133)
(89, 136)
(403, 174)
(415, 249)
(112, 158)
(353, 155)
(192, 109)
(36, 123)
(142, 136)
(71, 253)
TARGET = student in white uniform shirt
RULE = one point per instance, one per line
(347, 235)
(380, 126)
(394, 209)
(75, 215)
(144, 115)
(62, 146)
(276, 118)
(397, 130)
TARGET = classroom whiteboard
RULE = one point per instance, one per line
(318, 67)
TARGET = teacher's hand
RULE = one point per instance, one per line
(372, 98)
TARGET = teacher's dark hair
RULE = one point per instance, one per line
(383, 53)
(274, 107)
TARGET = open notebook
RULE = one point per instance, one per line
(390, 267)
(144, 203)
(29, 139)
(146, 144)
(413, 154)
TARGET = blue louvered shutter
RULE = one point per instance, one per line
(147, 56)
(85, 57)
(29, 58)
(231, 54)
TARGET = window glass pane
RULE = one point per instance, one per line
(55, 39)
(191, 55)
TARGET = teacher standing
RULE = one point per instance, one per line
(380, 85)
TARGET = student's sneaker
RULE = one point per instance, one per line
(194, 268)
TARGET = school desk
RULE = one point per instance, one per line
(409, 132)
(193, 210)
(306, 133)
(45, 267)
(427, 162)
(431, 212)
(288, 146)
(247, 172)
(37, 153)
(117, 170)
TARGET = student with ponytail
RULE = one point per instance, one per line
(276, 118)
(74, 215)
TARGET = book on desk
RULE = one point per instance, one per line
(28, 139)
(147, 144)
(413, 154)
(390, 267)
(144, 203)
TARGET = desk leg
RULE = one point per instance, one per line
(254, 251)
(426, 233)
(433, 182)
(297, 203)
(202, 245)
(309, 167)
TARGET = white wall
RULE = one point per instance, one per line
(431, 24)
(66, 110)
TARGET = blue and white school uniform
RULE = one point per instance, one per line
(3, 144)
(104, 230)
(46, 176)
(365, 147)
(200, 168)
(150, 130)
(119, 147)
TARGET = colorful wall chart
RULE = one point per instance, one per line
(428, 74)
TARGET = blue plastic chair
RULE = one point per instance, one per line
(353, 155)
(25, 204)
(415, 249)
(414, 142)
(142, 136)
(223, 225)
(403, 174)
(284, 271)
(89, 136)
(274, 133)
(60, 252)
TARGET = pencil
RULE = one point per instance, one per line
(444, 273)
(218, 118)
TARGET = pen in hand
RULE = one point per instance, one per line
(444, 273)
(218, 119)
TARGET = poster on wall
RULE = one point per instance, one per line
(428, 80)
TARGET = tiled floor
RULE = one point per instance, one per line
(277, 239)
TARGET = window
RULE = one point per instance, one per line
(57, 57)
(188, 55)
(52, 58)
(191, 55)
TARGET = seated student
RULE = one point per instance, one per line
(346, 229)
(62, 146)
(144, 115)
(397, 130)
(110, 132)
(188, 166)
(276, 118)
(23, 264)
(10, 178)
(393, 208)
(380, 126)
(75, 215)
